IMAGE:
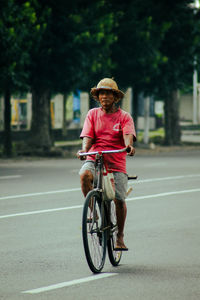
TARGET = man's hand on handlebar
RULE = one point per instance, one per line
(130, 150)
(81, 157)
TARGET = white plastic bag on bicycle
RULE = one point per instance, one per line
(108, 186)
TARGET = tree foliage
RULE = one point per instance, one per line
(58, 46)
(16, 19)
(157, 43)
(71, 44)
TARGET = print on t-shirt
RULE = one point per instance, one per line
(117, 127)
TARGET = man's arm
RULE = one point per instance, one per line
(86, 145)
(128, 140)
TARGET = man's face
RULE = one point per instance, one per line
(107, 99)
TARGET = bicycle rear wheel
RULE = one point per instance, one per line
(114, 256)
(94, 238)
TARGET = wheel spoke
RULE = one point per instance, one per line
(93, 238)
(114, 256)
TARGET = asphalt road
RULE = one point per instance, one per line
(41, 252)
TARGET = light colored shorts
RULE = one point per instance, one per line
(121, 180)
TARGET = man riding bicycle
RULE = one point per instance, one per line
(105, 128)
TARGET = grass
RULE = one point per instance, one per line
(155, 136)
(67, 143)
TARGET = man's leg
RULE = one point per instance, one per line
(121, 181)
(121, 212)
(86, 179)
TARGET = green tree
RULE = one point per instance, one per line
(179, 48)
(71, 42)
(16, 18)
(156, 42)
(136, 54)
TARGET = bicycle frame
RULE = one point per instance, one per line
(99, 233)
(98, 186)
(99, 171)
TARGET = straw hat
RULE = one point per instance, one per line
(107, 84)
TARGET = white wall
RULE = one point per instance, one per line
(58, 101)
(186, 107)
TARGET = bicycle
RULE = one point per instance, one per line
(99, 222)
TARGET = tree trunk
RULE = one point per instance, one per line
(64, 127)
(40, 125)
(172, 126)
(7, 124)
(135, 105)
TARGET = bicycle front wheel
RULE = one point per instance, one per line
(94, 236)
(114, 256)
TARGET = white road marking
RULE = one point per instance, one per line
(80, 206)
(39, 194)
(41, 211)
(10, 177)
(68, 283)
(163, 194)
(164, 178)
(78, 189)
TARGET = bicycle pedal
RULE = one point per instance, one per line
(132, 177)
(129, 191)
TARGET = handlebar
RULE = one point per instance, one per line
(127, 149)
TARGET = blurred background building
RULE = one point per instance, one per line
(70, 112)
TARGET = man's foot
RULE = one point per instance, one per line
(120, 246)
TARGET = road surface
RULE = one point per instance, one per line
(41, 252)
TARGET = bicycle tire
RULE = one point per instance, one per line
(94, 238)
(114, 256)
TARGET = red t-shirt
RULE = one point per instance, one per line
(107, 131)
